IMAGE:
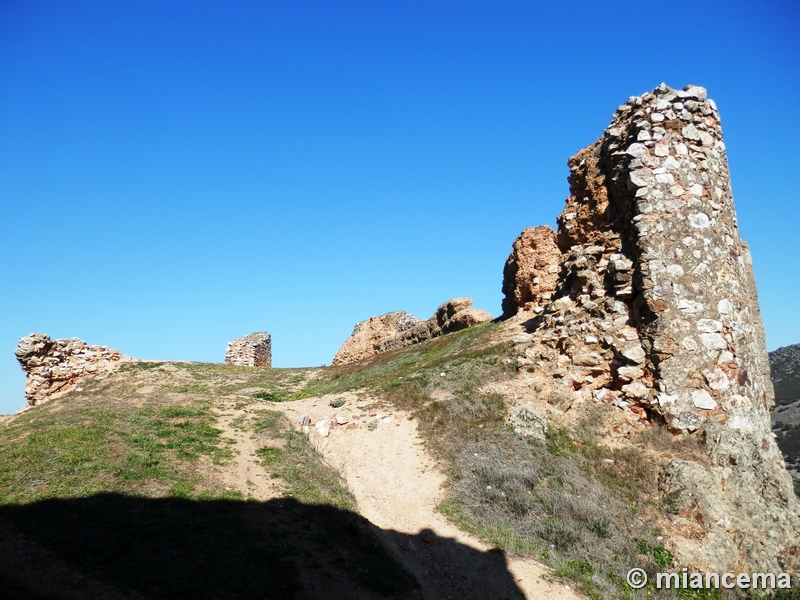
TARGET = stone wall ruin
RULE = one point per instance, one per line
(254, 350)
(655, 311)
(58, 365)
(531, 272)
(400, 329)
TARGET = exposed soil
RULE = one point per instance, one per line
(243, 473)
(396, 483)
(398, 487)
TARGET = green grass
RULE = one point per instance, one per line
(459, 355)
(85, 450)
(45, 456)
(306, 478)
(159, 437)
(569, 501)
(268, 420)
(268, 396)
(216, 379)
(119, 480)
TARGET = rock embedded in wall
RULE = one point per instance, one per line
(531, 272)
(400, 329)
(254, 350)
(655, 311)
(55, 366)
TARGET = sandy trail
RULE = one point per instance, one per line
(398, 486)
(244, 473)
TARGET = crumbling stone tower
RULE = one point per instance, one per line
(655, 310)
(689, 288)
(254, 350)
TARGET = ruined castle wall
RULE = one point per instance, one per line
(696, 308)
(58, 365)
(656, 311)
(530, 274)
(254, 350)
(400, 329)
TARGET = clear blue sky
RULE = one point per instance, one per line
(177, 174)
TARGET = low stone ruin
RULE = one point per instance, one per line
(655, 311)
(254, 350)
(368, 336)
(58, 365)
(400, 329)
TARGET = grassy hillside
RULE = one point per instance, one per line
(117, 491)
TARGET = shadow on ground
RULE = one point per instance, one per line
(115, 546)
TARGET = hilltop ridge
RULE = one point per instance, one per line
(619, 415)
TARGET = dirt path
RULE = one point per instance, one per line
(398, 486)
(243, 473)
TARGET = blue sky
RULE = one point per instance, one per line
(177, 174)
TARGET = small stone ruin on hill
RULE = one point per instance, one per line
(650, 304)
(57, 365)
(254, 350)
(400, 329)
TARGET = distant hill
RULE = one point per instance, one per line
(785, 368)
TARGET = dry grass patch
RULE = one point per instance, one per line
(583, 508)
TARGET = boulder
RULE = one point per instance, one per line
(368, 336)
(528, 422)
